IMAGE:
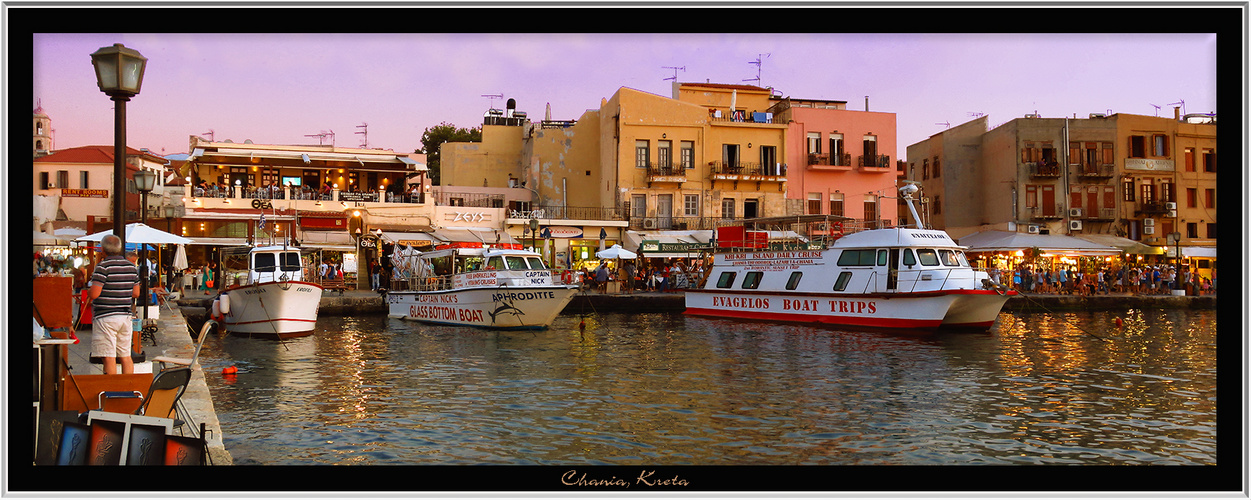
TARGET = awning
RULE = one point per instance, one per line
(1007, 241)
(1125, 244)
(410, 239)
(661, 244)
(327, 240)
(1199, 252)
(213, 241)
(485, 235)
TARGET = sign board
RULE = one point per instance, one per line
(1145, 164)
(85, 193)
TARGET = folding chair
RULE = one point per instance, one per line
(188, 363)
(163, 394)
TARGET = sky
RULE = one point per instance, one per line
(285, 88)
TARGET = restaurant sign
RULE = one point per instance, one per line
(84, 193)
(1145, 164)
(657, 246)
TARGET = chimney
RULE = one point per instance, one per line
(1176, 113)
(866, 103)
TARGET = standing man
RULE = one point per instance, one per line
(113, 285)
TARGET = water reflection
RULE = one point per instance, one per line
(1070, 388)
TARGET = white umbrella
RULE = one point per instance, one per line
(42, 238)
(180, 258)
(141, 233)
(616, 252)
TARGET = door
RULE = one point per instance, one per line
(751, 209)
(1092, 201)
(1048, 195)
(664, 211)
(892, 278)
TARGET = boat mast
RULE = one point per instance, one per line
(906, 191)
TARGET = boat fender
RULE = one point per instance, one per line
(215, 312)
(225, 300)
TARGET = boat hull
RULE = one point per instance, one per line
(287, 309)
(925, 311)
(506, 308)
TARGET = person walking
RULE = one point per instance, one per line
(114, 285)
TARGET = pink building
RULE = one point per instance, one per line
(840, 161)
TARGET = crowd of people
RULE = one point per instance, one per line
(662, 276)
(1157, 279)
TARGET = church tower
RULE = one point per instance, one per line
(43, 132)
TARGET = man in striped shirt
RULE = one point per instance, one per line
(113, 285)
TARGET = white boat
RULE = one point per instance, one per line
(266, 292)
(905, 278)
(491, 288)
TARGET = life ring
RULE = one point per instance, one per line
(566, 276)
(836, 226)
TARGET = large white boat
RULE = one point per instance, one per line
(905, 278)
(491, 288)
(266, 292)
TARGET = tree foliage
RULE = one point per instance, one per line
(435, 136)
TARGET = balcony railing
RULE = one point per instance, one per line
(1040, 213)
(1157, 207)
(745, 168)
(874, 162)
(1096, 171)
(665, 170)
(574, 213)
(1044, 169)
(830, 159)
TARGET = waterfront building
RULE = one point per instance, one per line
(1113, 179)
(74, 186)
(840, 159)
(42, 132)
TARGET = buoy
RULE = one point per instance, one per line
(216, 312)
(230, 370)
(1118, 321)
(582, 325)
(225, 300)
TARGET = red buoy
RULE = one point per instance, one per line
(1118, 322)
(230, 370)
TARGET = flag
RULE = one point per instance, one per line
(261, 226)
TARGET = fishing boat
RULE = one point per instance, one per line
(905, 278)
(266, 293)
(499, 288)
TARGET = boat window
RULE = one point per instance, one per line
(515, 263)
(471, 264)
(856, 257)
(495, 263)
(843, 278)
(928, 257)
(908, 258)
(752, 280)
(949, 258)
(263, 262)
(964, 262)
(291, 261)
(793, 283)
(882, 257)
(535, 263)
(726, 279)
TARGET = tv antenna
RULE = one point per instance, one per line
(675, 71)
(209, 134)
(365, 135)
(1179, 101)
(321, 136)
(493, 97)
(759, 64)
(976, 114)
(1157, 109)
(945, 124)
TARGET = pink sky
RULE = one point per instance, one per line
(278, 88)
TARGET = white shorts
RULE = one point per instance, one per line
(111, 336)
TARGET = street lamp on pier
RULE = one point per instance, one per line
(145, 180)
(119, 74)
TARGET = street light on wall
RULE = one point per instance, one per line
(119, 74)
(145, 180)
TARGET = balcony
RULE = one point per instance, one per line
(1094, 214)
(1155, 207)
(674, 223)
(568, 213)
(874, 164)
(829, 162)
(1092, 172)
(1044, 169)
(743, 171)
(1044, 213)
(666, 172)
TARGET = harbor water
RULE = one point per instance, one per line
(669, 389)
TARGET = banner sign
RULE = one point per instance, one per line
(85, 193)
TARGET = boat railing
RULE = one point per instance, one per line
(802, 232)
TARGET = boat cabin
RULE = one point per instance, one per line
(472, 267)
(262, 264)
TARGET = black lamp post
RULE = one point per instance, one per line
(534, 234)
(119, 74)
(145, 180)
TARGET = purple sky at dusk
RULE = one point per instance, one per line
(278, 88)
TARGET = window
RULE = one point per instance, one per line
(638, 206)
(1075, 197)
(642, 151)
(1192, 230)
(814, 143)
(1192, 197)
(1211, 230)
(664, 154)
(1148, 191)
(883, 257)
(729, 155)
(1109, 197)
(1209, 198)
(870, 149)
(836, 204)
(870, 208)
(1075, 153)
(1189, 159)
(1109, 155)
(62, 178)
(857, 257)
(82, 180)
(925, 169)
(1166, 191)
(264, 262)
(769, 160)
(44, 182)
(727, 208)
(938, 205)
(291, 261)
(793, 282)
(814, 203)
(1159, 145)
(1137, 146)
(535, 263)
(908, 258)
(515, 263)
(1092, 154)
(752, 280)
(841, 283)
(1209, 160)
(927, 257)
(1029, 153)
(836, 148)
(690, 205)
(726, 279)
(1127, 185)
(1031, 196)
(937, 172)
(688, 154)
(949, 258)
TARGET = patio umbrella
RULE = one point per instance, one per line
(141, 233)
(616, 252)
(42, 238)
(180, 258)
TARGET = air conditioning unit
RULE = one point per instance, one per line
(1075, 225)
(1098, 115)
(649, 223)
(1148, 229)
(51, 185)
(1032, 229)
(1148, 222)
(1172, 214)
(1170, 205)
(1075, 212)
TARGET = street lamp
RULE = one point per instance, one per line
(119, 74)
(534, 234)
(145, 180)
(1176, 239)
